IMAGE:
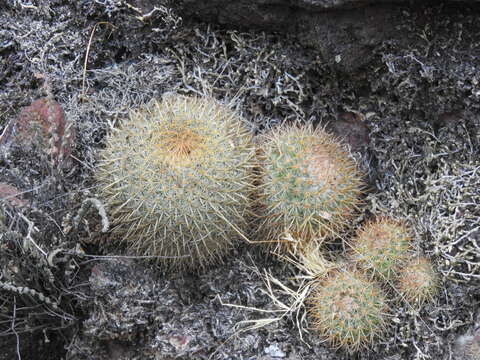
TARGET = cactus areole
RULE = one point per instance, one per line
(177, 179)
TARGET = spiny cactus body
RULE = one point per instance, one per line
(177, 179)
(382, 246)
(417, 281)
(310, 186)
(348, 310)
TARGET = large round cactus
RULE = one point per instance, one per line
(310, 185)
(177, 179)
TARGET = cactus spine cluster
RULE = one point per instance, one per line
(382, 246)
(348, 310)
(310, 186)
(177, 179)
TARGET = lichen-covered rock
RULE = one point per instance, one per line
(345, 39)
(140, 315)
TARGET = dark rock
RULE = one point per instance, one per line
(344, 38)
(351, 128)
(344, 32)
(347, 39)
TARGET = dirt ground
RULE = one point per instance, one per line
(411, 117)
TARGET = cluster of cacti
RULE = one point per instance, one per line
(382, 257)
(310, 187)
(177, 179)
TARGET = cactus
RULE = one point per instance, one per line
(382, 247)
(177, 180)
(310, 186)
(348, 310)
(417, 281)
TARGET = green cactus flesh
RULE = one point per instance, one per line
(177, 179)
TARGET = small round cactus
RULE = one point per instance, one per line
(177, 180)
(310, 186)
(349, 310)
(382, 246)
(417, 281)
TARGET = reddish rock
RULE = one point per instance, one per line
(180, 342)
(11, 195)
(43, 124)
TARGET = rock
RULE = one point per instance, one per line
(351, 128)
(344, 32)
(344, 38)
(274, 351)
(42, 126)
(11, 195)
